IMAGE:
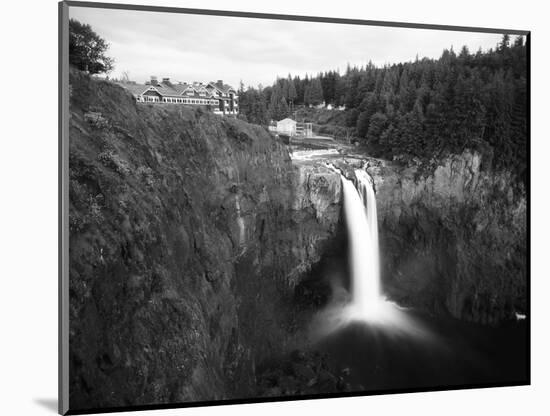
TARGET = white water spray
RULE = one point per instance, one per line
(361, 221)
(367, 303)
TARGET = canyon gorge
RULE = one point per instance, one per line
(197, 243)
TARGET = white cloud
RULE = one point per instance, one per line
(204, 48)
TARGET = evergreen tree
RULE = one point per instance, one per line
(407, 92)
(298, 84)
(368, 107)
(340, 91)
(315, 92)
(352, 117)
(377, 125)
(386, 137)
(504, 43)
(351, 95)
(363, 124)
(278, 108)
(292, 94)
(307, 94)
(283, 83)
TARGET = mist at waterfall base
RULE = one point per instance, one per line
(388, 347)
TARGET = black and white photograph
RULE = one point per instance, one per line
(271, 208)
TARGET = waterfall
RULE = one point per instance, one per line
(362, 226)
(367, 303)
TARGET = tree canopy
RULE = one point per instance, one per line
(87, 49)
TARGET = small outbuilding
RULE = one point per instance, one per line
(286, 126)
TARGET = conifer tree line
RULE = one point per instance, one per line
(419, 109)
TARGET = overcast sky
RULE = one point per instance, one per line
(208, 48)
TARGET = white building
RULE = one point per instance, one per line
(286, 126)
(219, 97)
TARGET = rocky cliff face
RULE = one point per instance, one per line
(316, 207)
(453, 239)
(188, 234)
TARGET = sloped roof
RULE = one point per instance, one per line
(286, 121)
(167, 90)
(134, 88)
(225, 88)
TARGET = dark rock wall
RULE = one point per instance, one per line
(188, 233)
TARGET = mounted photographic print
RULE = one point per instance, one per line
(263, 207)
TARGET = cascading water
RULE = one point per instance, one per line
(361, 221)
(365, 187)
(367, 303)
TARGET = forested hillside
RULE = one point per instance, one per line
(421, 109)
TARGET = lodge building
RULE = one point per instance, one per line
(219, 97)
